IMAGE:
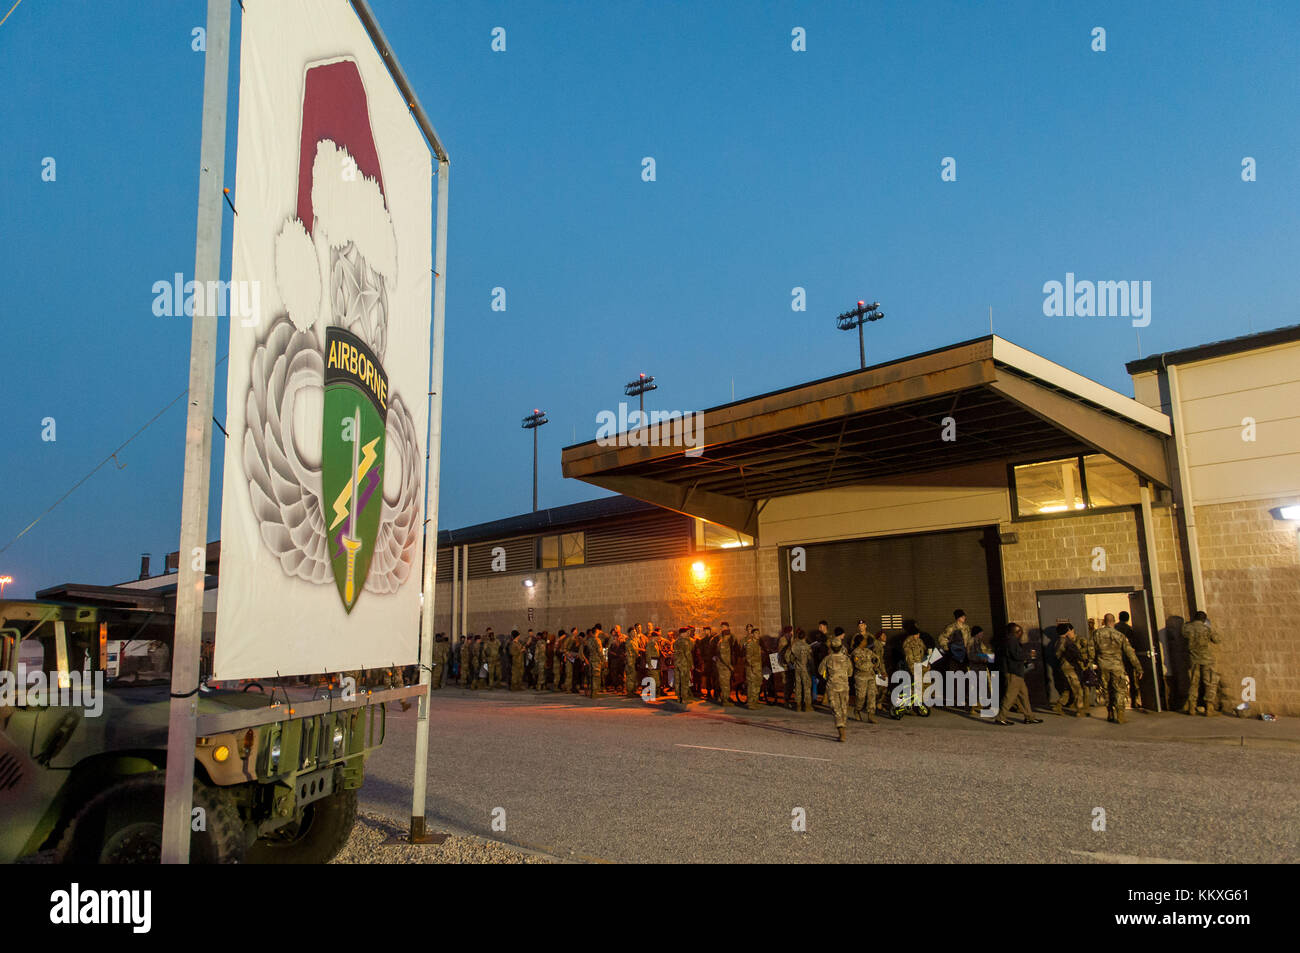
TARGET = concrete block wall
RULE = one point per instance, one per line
(667, 592)
(1251, 568)
(1059, 554)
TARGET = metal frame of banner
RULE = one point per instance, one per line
(418, 833)
(181, 727)
(182, 718)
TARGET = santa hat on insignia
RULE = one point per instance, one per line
(340, 194)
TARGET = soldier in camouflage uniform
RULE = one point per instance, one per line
(393, 679)
(957, 628)
(595, 656)
(629, 663)
(1112, 649)
(800, 655)
(683, 649)
(1070, 662)
(835, 669)
(914, 655)
(440, 648)
(570, 646)
(653, 663)
(468, 663)
(1202, 649)
(517, 649)
(722, 658)
(540, 666)
(753, 669)
(557, 660)
(866, 665)
(491, 657)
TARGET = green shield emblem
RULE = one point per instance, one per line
(352, 458)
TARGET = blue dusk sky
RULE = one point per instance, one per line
(775, 169)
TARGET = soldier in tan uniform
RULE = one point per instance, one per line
(835, 669)
(595, 656)
(653, 663)
(517, 648)
(800, 655)
(439, 661)
(956, 628)
(1070, 661)
(683, 648)
(723, 664)
(866, 665)
(570, 645)
(1203, 652)
(914, 655)
(753, 668)
(1112, 649)
(491, 658)
(557, 660)
(468, 663)
(629, 663)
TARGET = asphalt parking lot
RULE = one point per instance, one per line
(625, 781)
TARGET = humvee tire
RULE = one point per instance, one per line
(123, 825)
(325, 828)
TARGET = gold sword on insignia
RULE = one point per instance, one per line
(350, 542)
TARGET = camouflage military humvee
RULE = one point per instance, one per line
(82, 772)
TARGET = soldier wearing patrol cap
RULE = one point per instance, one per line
(954, 629)
(1112, 649)
(517, 649)
(683, 648)
(1203, 650)
(722, 659)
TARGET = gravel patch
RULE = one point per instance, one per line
(367, 846)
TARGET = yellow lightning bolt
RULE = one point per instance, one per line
(368, 456)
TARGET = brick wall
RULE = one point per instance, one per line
(1251, 569)
(1058, 554)
(664, 591)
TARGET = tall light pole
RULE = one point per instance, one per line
(855, 319)
(532, 422)
(637, 388)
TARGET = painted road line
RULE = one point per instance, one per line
(769, 754)
(1127, 858)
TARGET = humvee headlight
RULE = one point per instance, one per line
(220, 753)
(275, 754)
(338, 738)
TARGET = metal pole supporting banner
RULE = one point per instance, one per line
(418, 833)
(198, 447)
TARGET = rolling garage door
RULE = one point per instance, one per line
(922, 576)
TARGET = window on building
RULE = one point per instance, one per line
(1072, 483)
(566, 549)
(712, 536)
(1109, 483)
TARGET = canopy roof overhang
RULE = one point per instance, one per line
(888, 420)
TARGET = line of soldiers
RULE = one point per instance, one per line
(1096, 660)
(797, 669)
(724, 667)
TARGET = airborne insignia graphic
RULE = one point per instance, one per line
(352, 457)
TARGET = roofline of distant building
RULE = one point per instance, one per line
(1205, 352)
(555, 518)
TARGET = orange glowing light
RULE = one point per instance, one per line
(700, 570)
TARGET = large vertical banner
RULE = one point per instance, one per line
(323, 498)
